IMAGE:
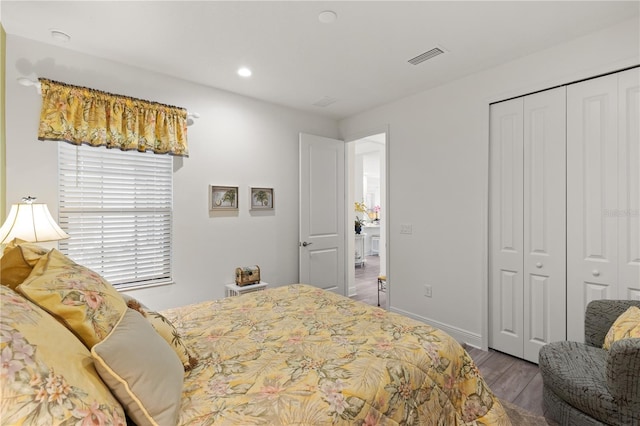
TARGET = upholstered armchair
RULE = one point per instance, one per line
(585, 384)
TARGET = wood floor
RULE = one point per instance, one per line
(511, 379)
(367, 282)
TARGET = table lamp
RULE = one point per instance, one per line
(31, 222)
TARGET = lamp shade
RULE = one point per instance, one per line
(30, 222)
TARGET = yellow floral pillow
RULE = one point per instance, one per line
(165, 329)
(48, 376)
(84, 301)
(18, 261)
(625, 327)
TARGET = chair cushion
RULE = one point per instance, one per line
(576, 373)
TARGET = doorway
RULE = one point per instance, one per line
(366, 202)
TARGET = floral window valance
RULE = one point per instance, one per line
(80, 115)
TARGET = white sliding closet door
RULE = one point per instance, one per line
(629, 185)
(528, 219)
(592, 184)
(506, 227)
(604, 193)
(544, 220)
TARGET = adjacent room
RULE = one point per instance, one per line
(320, 212)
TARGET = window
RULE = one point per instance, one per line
(117, 207)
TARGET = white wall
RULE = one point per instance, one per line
(438, 157)
(237, 141)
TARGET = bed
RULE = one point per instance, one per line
(291, 355)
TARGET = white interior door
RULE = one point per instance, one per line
(506, 227)
(592, 197)
(629, 184)
(544, 220)
(322, 212)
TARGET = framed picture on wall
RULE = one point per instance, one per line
(223, 197)
(261, 198)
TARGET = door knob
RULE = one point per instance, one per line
(538, 265)
(304, 244)
(595, 273)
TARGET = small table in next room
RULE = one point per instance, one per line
(236, 290)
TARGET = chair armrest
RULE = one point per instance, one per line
(600, 316)
(623, 373)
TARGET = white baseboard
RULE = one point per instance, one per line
(352, 291)
(462, 336)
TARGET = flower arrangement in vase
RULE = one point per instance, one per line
(359, 208)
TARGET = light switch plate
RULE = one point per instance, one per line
(406, 228)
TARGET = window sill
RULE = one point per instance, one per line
(124, 289)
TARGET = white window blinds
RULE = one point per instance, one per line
(117, 207)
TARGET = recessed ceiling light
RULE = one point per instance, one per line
(327, 17)
(60, 36)
(244, 72)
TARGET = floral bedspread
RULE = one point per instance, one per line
(298, 355)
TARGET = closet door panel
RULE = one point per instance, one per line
(592, 192)
(536, 320)
(628, 212)
(544, 220)
(506, 241)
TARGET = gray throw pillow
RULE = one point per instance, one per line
(142, 371)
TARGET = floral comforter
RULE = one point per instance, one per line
(298, 355)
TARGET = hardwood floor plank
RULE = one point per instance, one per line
(366, 282)
(478, 355)
(514, 380)
(495, 366)
(531, 396)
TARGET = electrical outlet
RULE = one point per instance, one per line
(406, 228)
(427, 291)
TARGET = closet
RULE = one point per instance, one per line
(564, 209)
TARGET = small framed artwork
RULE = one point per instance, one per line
(261, 198)
(223, 197)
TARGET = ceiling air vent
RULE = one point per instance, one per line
(325, 101)
(426, 55)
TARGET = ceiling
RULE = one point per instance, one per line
(360, 60)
